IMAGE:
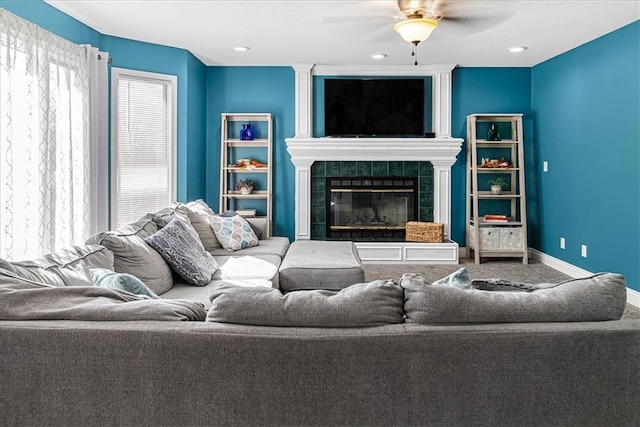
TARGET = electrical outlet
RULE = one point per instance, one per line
(583, 251)
(545, 166)
(562, 243)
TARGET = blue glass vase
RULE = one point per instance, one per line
(246, 134)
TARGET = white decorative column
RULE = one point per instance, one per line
(303, 198)
(442, 100)
(442, 194)
(304, 87)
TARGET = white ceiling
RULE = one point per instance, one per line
(282, 32)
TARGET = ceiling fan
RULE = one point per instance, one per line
(422, 17)
(417, 19)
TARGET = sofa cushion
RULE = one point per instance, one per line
(363, 304)
(199, 214)
(134, 256)
(233, 233)
(277, 246)
(105, 278)
(315, 264)
(179, 245)
(165, 215)
(65, 267)
(598, 297)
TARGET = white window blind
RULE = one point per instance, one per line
(143, 144)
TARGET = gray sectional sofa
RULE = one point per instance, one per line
(391, 352)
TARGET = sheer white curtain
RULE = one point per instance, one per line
(49, 145)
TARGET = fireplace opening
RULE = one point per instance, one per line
(370, 207)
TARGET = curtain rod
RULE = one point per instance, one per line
(108, 61)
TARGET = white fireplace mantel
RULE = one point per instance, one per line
(441, 152)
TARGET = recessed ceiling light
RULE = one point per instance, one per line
(517, 49)
(378, 55)
(241, 48)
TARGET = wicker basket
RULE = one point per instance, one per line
(430, 232)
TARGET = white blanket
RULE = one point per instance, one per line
(247, 267)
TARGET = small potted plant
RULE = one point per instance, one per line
(497, 184)
(244, 186)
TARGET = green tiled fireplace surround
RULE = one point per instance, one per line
(321, 170)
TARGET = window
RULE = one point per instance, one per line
(143, 153)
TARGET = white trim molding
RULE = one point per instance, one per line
(633, 297)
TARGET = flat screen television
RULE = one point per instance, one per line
(374, 107)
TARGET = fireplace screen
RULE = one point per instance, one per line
(370, 206)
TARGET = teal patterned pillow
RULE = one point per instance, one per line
(104, 278)
(180, 246)
(234, 232)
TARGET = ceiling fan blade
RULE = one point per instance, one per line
(356, 20)
(464, 18)
(374, 28)
(450, 9)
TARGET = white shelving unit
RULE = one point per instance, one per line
(234, 149)
(496, 239)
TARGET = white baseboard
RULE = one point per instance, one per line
(557, 264)
(633, 297)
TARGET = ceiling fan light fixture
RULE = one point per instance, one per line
(415, 30)
(378, 55)
(241, 48)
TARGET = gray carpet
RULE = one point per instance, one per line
(513, 270)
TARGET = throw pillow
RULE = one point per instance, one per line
(199, 213)
(179, 245)
(233, 233)
(132, 255)
(104, 278)
(363, 304)
(165, 215)
(256, 229)
(457, 279)
(599, 297)
(503, 285)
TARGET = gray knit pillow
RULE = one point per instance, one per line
(179, 245)
(362, 304)
(599, 297)
(133, 256)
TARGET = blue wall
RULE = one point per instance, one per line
(194, 186)
(486, 90)
(254, 90)
(586, 108)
